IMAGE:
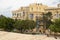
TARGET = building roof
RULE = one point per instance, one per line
(52, 8)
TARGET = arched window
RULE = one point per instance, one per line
(17, 14)
(59, 15)
(23, 13)
(14, 14)
(20, 14)
(31, 16)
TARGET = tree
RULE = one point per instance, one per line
(49, 15)
(9, 24)
(23, 25)
(6, 23)
(56, 26)
(2, 21)
(47, 19)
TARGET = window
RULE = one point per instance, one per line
(31, 16)
(17, 15)
(23, 13)
(37, 8)
(59, 14)
(31, 8)
(14, 14)
(20, 14)
(37, 17)
(38, 4)
(56, 15)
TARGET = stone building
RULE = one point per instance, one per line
(35, 12)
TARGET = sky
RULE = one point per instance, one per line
(7, 6)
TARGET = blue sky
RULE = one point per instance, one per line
(6, 6)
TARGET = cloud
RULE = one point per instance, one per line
(6, 6)
(6, 12)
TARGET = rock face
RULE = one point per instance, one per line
(17, 36)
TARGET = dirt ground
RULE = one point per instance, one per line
(18, 36)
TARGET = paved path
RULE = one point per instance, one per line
(17, 36)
